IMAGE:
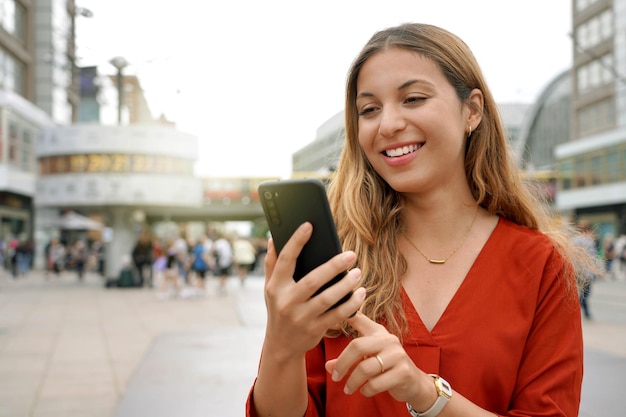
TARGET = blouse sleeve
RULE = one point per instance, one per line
(316, 380)
(551, 369)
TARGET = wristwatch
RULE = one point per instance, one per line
(444, 393)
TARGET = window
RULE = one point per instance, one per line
(12, 73)
(21, 143)
(596, 168)
(13, 143)
(612, 167)
(7, 15)
(566, 174)
(28, 146)
(595, 30)
(595, 171)
(596, 117)
(580, 179)
(12, 18)
(596, 73)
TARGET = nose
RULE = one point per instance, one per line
(391, 122)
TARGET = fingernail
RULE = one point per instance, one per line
(346, 390)
(360, 293)
(349, 256)
(335, 376)
(306, 227)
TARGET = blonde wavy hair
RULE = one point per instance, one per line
(368, 211)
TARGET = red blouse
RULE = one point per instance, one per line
(510, 340)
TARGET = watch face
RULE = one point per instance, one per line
(444, 393)
(446, 389)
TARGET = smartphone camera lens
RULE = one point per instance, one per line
(267, 195)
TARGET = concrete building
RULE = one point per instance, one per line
(322, 154)
(53, 83)
(118, 174)
(58, 148)
(21, 120)
(591, 166)
(117, 165)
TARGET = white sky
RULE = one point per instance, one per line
(255, 79)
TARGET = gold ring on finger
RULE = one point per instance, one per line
(382, 364)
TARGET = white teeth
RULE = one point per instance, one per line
(402, 151)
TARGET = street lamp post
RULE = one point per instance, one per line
(74, 89)
(119, 63)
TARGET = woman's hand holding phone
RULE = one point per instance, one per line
(298, 318)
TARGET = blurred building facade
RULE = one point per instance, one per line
(591, 166)
(62, 120)
(62, 146)
(27, 103)
(117, 164)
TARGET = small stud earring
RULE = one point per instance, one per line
(470, 131)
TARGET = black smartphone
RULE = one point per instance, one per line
(289, 203)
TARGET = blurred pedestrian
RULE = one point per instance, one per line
(608, 253)
(587, 241)
(199, 264)
(14, 254)
(142, 259)
(97, 252)
(171, 283)
(56, 256)
(24, 256)
(261, 250)
(3, 251)
(244, 254)
(619, 265)
(223, 252)
(79, 254)
(181, 249)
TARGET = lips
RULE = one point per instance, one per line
(402, 150)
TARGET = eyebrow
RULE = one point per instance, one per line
(417, 81)
(401, 87)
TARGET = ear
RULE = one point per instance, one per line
(475, 103)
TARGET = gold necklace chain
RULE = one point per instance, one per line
(443, 261)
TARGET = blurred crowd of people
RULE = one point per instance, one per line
(609, 250)
(18, 255)
(180, 267)
(77, 257)
(174, 267)
(612, 251)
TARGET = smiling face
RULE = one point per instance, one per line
(411, 124)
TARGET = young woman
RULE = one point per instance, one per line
(466, 288)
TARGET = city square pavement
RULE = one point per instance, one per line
(70, 349)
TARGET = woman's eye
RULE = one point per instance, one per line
(415, 99)
(366, 111)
